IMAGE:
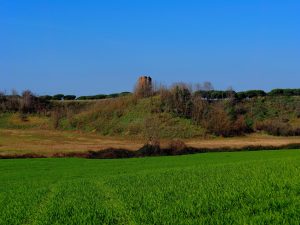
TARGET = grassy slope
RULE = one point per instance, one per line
(113, 117)
(128, 117)
(220, 188)
(273, 108)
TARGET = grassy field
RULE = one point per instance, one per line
(215, 188)
(49, 142)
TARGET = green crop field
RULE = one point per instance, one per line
(215, 188)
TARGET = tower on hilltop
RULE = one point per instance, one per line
(143, 87)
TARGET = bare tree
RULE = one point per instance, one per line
(200, 107)
(181, 99)
(13, 102)
(27, 101)
(217, 121)
(230, 93)
(2, 101)
(198, 87)
(207, 86)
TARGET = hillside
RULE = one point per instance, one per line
(154, 117)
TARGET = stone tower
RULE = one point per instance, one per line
(144, 86)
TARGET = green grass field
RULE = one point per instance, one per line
(215, 188)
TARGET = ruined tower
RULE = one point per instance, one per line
(144, 86)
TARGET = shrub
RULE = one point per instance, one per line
(69, 97)
(199, 109)
(241, 126)
(56, 117)
(150, 149)
(23, 117)
(217, 121)
(178, 100)
(111, 154)
(175, 146)
(276, 128)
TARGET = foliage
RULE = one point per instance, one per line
(285, 92)
(251, 94)
(58, 97)
(175, 112)
(278, 128)
(69, 97)
(103, 96)
(178, 100)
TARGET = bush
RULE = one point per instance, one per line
(56, 117)
(178, 100)
(111, 154)
(69, 97)
(217, 121)
(150, 150)
(240, 126)
(277, 128)
(176, 146)
(23, 117)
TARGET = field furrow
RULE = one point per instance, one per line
(215, 188)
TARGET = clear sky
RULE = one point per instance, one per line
(87, 47)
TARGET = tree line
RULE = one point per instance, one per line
(215, 94)
(59, 97)
(27, 102)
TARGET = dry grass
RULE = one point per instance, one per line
(31, 120)
(239, 142)
(49, 142)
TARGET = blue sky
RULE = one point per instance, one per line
(88, 47)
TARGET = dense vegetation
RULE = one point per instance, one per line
(220, 188)
(175, 112)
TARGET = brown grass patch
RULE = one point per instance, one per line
(62, 143)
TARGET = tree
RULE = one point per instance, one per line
(45, 98)
(13, 101)
(199, 108)
(27, 102)
(217, 121)
(181, 100)
(58, 97)
(69, 97)
(207, 86)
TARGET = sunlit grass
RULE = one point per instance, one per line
(215, 188)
